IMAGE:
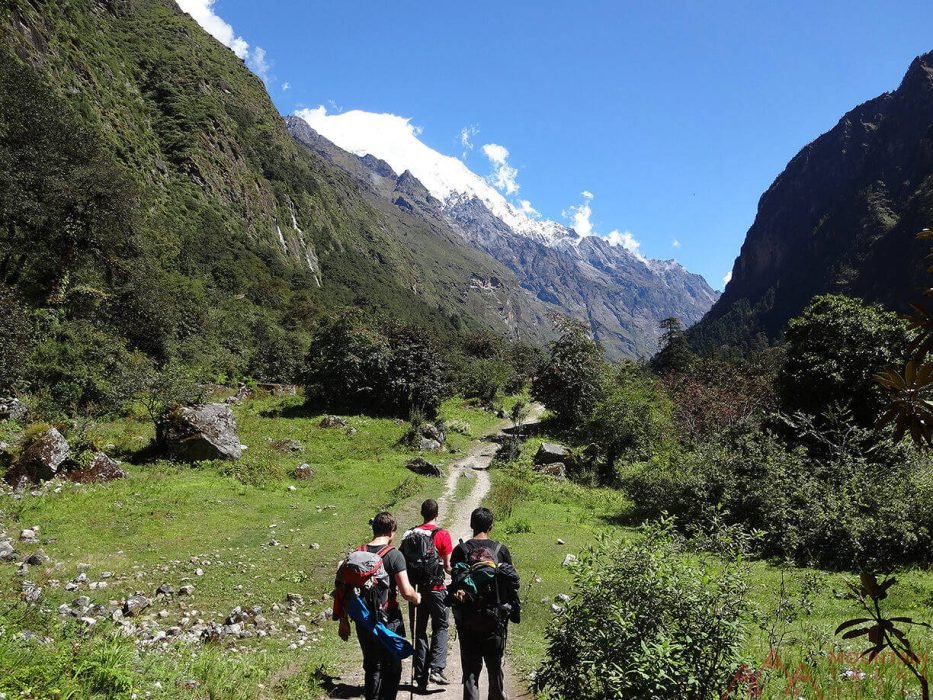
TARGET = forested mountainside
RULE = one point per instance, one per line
(618, 293)
(842, 217)
(150, 190)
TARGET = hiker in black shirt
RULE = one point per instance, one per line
(382, 670)
(483, 632)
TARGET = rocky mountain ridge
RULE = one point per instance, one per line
(841, 218)
(621, 295)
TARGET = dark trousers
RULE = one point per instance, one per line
(382, 670)
(475, 650)
(433, 610)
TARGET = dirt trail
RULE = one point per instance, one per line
(475, 466)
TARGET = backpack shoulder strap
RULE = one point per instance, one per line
(385, 550)
(495, 552)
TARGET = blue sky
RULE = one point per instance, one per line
(675, 116)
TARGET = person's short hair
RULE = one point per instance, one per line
(383, 524)
(481, 520)
(429, 509)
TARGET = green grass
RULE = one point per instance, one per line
(535, 511)
(147, 528)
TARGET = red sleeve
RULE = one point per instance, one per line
(443, 543)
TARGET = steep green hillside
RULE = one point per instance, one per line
(841, 218)
(150, 189)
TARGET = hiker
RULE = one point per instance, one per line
(382, 651)
(427, 549)
(484, 595)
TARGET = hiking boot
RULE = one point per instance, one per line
(438, 678)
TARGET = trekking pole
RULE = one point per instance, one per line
(413, 619)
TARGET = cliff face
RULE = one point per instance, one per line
(840, 218)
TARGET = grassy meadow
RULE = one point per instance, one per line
(233, 530)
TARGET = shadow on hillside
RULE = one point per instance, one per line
(301, 410)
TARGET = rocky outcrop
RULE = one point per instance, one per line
(100, 468)
(43, 457)
(551, 453)
(13, 409)
(195, 433)
(421, 466)
(841, 218)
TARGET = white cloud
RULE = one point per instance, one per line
(466, 135)
(202, 11)
(524, 206)
(580, 214)
(727, 279)
(395, 140)
(259, 64)
(627, 241)
(286, 86)
(503, 176)
(675, 243)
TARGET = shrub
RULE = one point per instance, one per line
(646, 621)
(842, 508)
(16, 334)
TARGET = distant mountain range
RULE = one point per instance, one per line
(622, 295)
(842, 217)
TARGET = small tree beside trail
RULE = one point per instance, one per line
(569, 382)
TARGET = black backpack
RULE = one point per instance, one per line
(483, 591)
(424, 564)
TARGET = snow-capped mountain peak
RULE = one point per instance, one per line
(395, 140)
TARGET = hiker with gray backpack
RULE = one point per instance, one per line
(368, 583)
(484, 594)
(427, 550)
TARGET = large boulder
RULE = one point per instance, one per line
(421, 466)
(551, 453)
(43, 456)
(195, 433)
(100, 468)
(13, 409)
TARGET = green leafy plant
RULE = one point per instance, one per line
(881, 631)
(646, 621)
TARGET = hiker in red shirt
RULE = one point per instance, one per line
(430, 663)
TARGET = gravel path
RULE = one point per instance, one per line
(475, 466)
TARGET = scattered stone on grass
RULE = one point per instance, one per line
(333, 422)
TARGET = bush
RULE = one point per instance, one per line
(842, 508)
(77, 367)
(16, 335)
(646, 621)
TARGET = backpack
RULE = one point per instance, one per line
(363, 574)
(484, 591)
(424, 564)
